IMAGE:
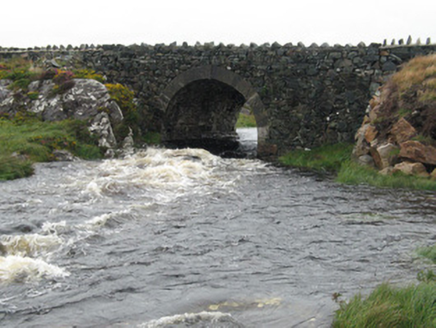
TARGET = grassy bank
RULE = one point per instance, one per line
(246, 121)
(337, 158)
(387, 306)
(23, 143)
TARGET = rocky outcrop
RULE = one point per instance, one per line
(86, 100)
(398, 134)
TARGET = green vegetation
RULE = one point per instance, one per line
(353, 173)
(428, 252)
(390, 307)
(152, 138)
(88, 74)
(124, 97)
(26, 141)
(246, 121)
(337, 158)
(326, 158)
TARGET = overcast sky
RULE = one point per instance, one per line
(46, 22)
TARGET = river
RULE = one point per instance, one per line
(182, 238)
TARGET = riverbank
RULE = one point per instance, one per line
(337, 160)
(27, 141)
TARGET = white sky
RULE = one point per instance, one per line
(28, 23)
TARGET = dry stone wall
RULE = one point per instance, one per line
(309, 95)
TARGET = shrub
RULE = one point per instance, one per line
(33, 95)
(89, 74)
(124, 98)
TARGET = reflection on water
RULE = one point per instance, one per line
(182, 238)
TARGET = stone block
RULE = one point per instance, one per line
(388, 154)
(386, 171)
(266, 150)
(370, 133)
(402, 131)
(409, 168)
(366, 160)
(418, 152)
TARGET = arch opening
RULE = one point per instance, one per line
(203, 114)
(201, 107)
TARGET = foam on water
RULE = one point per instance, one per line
(29, 245)
(202, 319)
(15, 268)
(161, 175)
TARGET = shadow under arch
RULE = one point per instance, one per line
(223, 78)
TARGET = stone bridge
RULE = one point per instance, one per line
(300, 96)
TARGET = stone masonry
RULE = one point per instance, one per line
(301, 96)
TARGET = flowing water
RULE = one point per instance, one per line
(182, 238)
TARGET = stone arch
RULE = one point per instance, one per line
(229, 79)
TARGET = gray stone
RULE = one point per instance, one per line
(101, 127)
(63, 155)
(389, 66)
(388, 154)
(366, 160)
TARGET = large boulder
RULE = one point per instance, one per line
(86, 100)
(417, 152)
(410, 168)
(402, 131)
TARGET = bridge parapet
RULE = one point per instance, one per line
(308, 95)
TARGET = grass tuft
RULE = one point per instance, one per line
(337, 158)
(328, 157)
(25, 142)
(388, 307)
(246, 121)
(428, 252)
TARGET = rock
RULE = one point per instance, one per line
(128, 141)
(386, 171)
(418, 152)
(4, 91)
(101, 126)
(63, 156)
(366, 160)
(370, 133)
(267, 149)
(409, 168)
(388, 154)
(374, 113)
(376, 157)
(433, 175)
(402, 131)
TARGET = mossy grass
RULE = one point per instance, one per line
(353, 173)
(23, 142)
(337, 158)
(389, 307)
(324, 158)
(14, 167)
(246, 121)
(428, 252)
(152, 138)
